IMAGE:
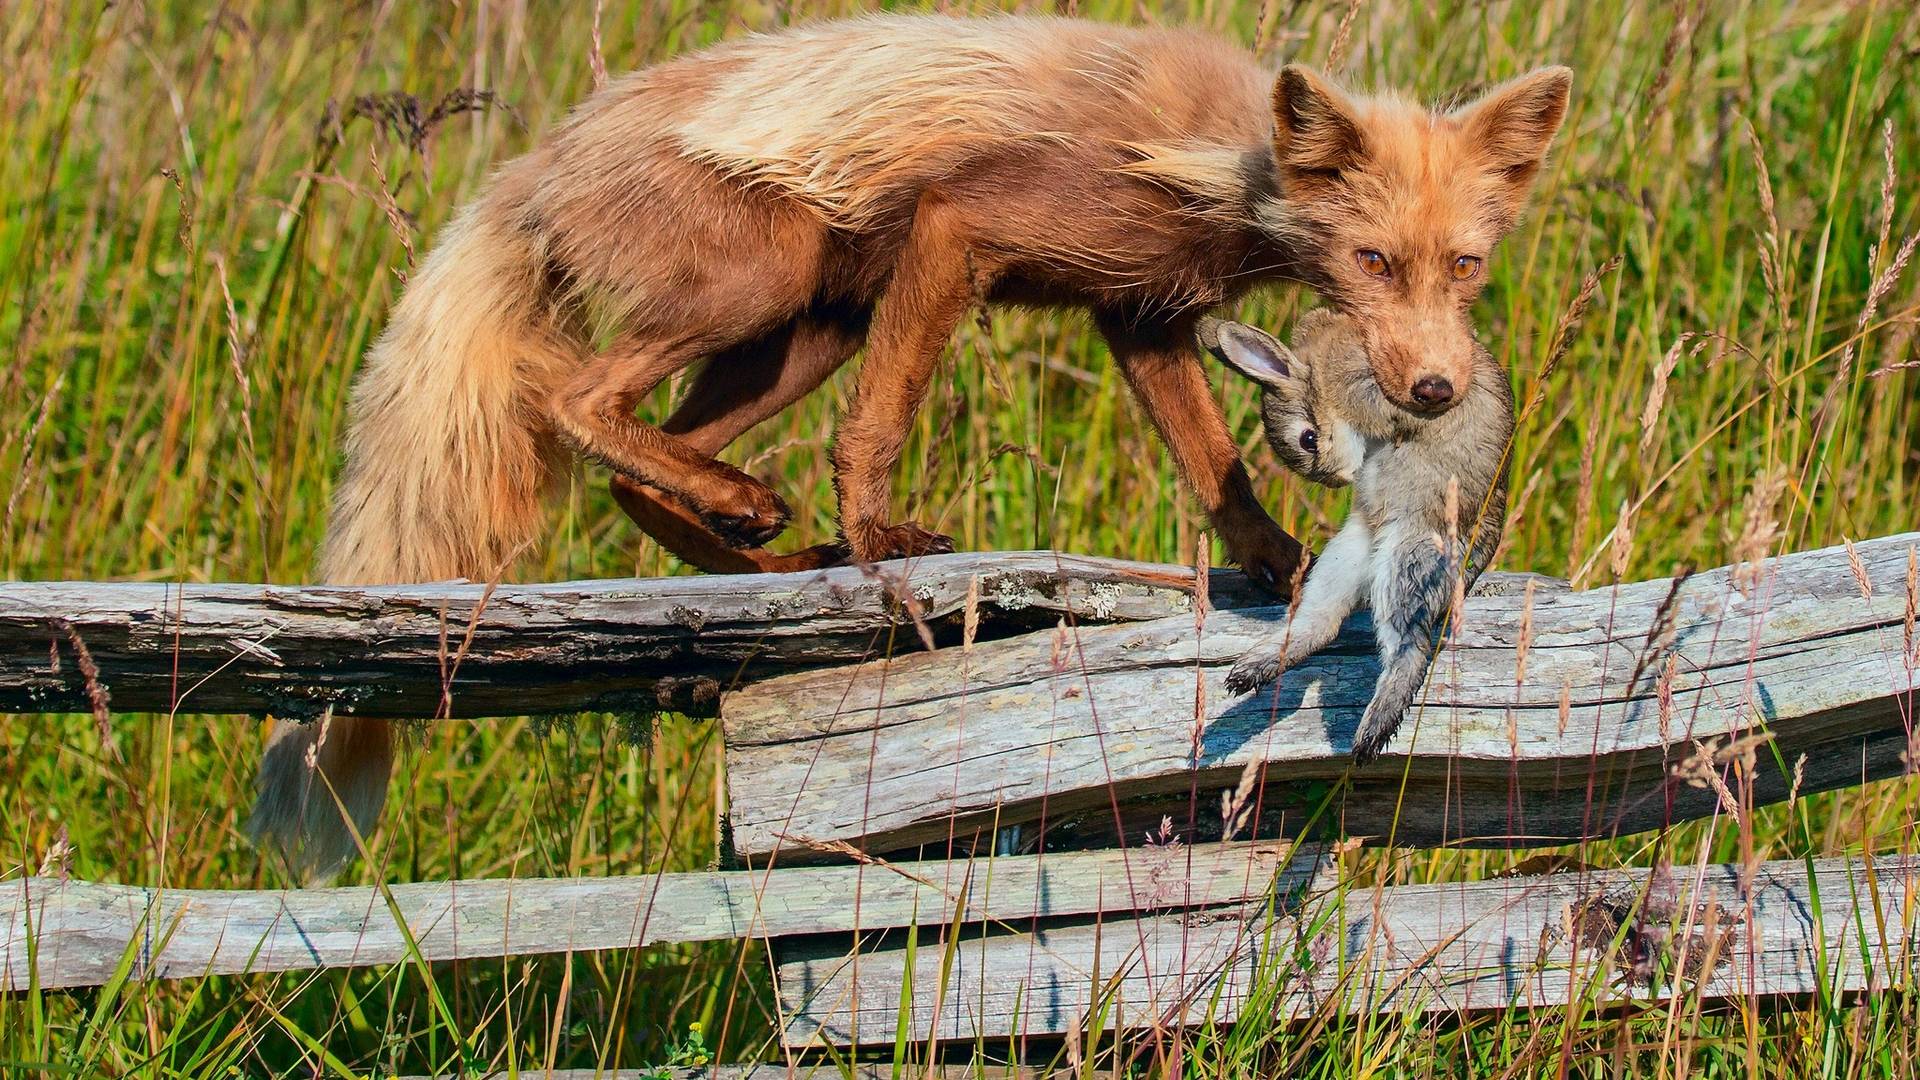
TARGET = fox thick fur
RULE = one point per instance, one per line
(1429, 503)
(760, 211)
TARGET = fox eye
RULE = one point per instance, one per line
(1372, 262)
(1309, 440)
(1466, 268)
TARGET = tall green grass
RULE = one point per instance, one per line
(209, 208)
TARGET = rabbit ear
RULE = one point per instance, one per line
(1254, 353)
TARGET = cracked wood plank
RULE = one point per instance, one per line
(1606, 938)
(68, 933)
(614, 645)
(1089, 732)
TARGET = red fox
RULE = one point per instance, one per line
(766, 207)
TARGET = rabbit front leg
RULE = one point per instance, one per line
(1336, 583)
(1412, 595)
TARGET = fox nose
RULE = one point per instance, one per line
(1433, 391)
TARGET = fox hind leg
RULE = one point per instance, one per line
(731, 394)
(594, 412)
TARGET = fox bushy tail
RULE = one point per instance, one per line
(448, 460)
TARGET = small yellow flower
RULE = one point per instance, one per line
(694, 1027)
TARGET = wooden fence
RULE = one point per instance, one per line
(1008, 790)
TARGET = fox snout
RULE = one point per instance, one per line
(1422, 378)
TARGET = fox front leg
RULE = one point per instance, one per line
(1412, 594)
(1336, 584)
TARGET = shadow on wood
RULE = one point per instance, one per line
(1547, 718)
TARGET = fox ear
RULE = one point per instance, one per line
(1511, 127)
(1254, 353)
(1315, 128)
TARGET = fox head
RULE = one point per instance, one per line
(1395, 210)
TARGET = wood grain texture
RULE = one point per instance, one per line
(629, 644)
(75, 933)
(1847, 927)
(1098, 730)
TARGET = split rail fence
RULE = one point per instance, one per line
(1007, 795)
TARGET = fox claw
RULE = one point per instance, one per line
(752, 528)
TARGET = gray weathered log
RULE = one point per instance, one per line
(1093, 729)
(1450, 948)
(75, 933)
(628, 644)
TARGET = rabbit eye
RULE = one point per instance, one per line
(1309, 440)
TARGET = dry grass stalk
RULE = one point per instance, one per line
(1660, 635)
(1236, 806)
(1622, 551)
(1759, 531)
(1523, 638)
(1516, 514)
(1336, 52)
(1563, 332)
(98, 701)
(1684, 22)
(1657, 394)
(1770, 264)
(1202, 564)
(1884, 281)
(596, 56)
(1582, 505)
(1859, 569)
(1702, 767)
(970, 614)
(184, 234)
(1663, 693)
(1913, 607)
(390, 207)
(24, 473)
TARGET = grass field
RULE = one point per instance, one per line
(210, 206)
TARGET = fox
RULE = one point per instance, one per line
(758, 212)
(1429, 502)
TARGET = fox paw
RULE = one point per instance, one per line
(752, 519)
(1251, 673)
(906, 540)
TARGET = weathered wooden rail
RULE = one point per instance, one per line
(461, 649)
(1607, 938)
(1547, 718)
(61, 933)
